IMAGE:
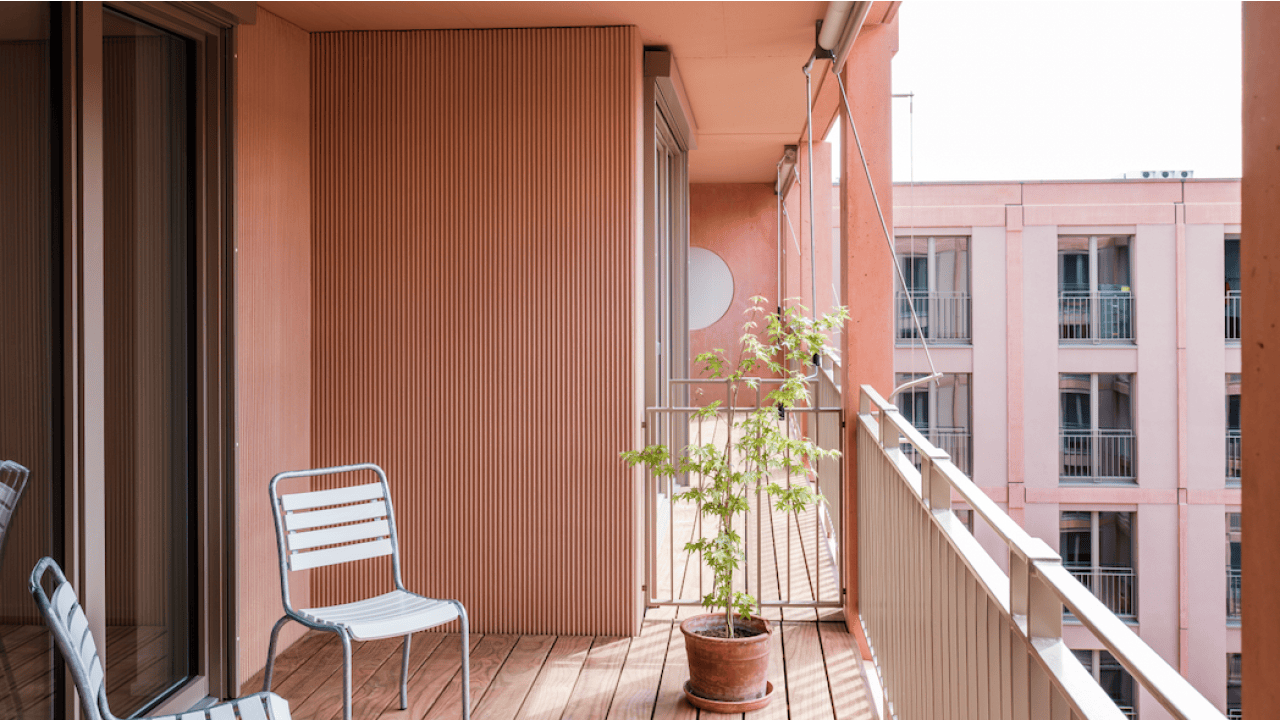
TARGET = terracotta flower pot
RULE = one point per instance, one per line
(732, 670)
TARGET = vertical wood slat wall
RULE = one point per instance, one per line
(475, 224)
(273, 311)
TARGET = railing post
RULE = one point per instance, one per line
(1032, 604)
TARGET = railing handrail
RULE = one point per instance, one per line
(1233, 293)
(1035, 568)
(957, 294)
(1098, 432)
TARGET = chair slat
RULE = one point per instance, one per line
(8, 495)
(277, 707)
(251, 708)
(337, 496)
(320, 518)
(193, 715)
(333, 556)
(334, 535)
(222, 712)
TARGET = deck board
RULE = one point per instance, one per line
(597, 684)
(549, 696)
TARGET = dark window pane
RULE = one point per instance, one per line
(149, 375)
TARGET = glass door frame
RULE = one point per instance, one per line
(210, 29)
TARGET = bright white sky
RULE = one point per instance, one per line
(1067, 90)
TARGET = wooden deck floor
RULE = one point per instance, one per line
(814, 666)
(814, 671)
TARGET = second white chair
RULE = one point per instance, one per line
(355, 522)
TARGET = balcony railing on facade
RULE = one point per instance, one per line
(944, 317)
(1235, 713)
(948, 628)
(1095, 316)
(1233, 456)
(1116, 587)
(1232, 329)
(956, 442)
(1233, 593)
(1097, 455)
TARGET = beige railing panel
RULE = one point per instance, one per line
(954, 636)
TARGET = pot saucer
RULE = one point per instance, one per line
(728, 707)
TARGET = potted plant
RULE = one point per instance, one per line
(728, 651)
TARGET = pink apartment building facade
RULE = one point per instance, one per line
(1088, 339)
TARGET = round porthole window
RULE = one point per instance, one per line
(710, 288)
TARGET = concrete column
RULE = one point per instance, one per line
(867, 265)
(1260, 346)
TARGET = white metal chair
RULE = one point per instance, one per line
(345, 524)
(71, 632)
(13, 482)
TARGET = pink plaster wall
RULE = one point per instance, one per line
(738, 222)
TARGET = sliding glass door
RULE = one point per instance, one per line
(148, 240)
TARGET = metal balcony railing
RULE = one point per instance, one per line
(956, 442)
(1233, 593)
(1097, 455)
(944, 317)
(947, 627)
(1116, 587)
(1104, 316)
(1232, 329)
(1235, 713)
(1233, 456)
(1128, 712)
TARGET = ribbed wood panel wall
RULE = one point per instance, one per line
(475, 227)
(26, 359)
(273, 311)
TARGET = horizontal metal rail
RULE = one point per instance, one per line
(952, 634)
(1232, 316)
(1233, 592)
(1233, 456)
(1104, 316)
(945, 317)
(1096, 455)
(1115, 587)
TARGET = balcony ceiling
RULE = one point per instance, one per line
(740, 61)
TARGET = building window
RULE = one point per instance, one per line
(1097, 548)
(1233, 429)
(966, 517)
(936, 271)
(1233, 567)
(1095, 293)
(1231, 277)
(1111, 675)
(942, 411)
(1097, 441)
(1233, 687)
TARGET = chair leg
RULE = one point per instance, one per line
(404, 674)
(271, 653)
(13, 682)
(346, 675)
(466, 664)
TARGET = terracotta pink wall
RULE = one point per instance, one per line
(273, 311)
(738, 222)
(473, 297)
(1180, 533)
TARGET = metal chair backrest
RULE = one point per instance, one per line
(70, 629)
(328, 527)
(13, 482)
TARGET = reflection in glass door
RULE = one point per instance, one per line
(149, 363)
(30, 355)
